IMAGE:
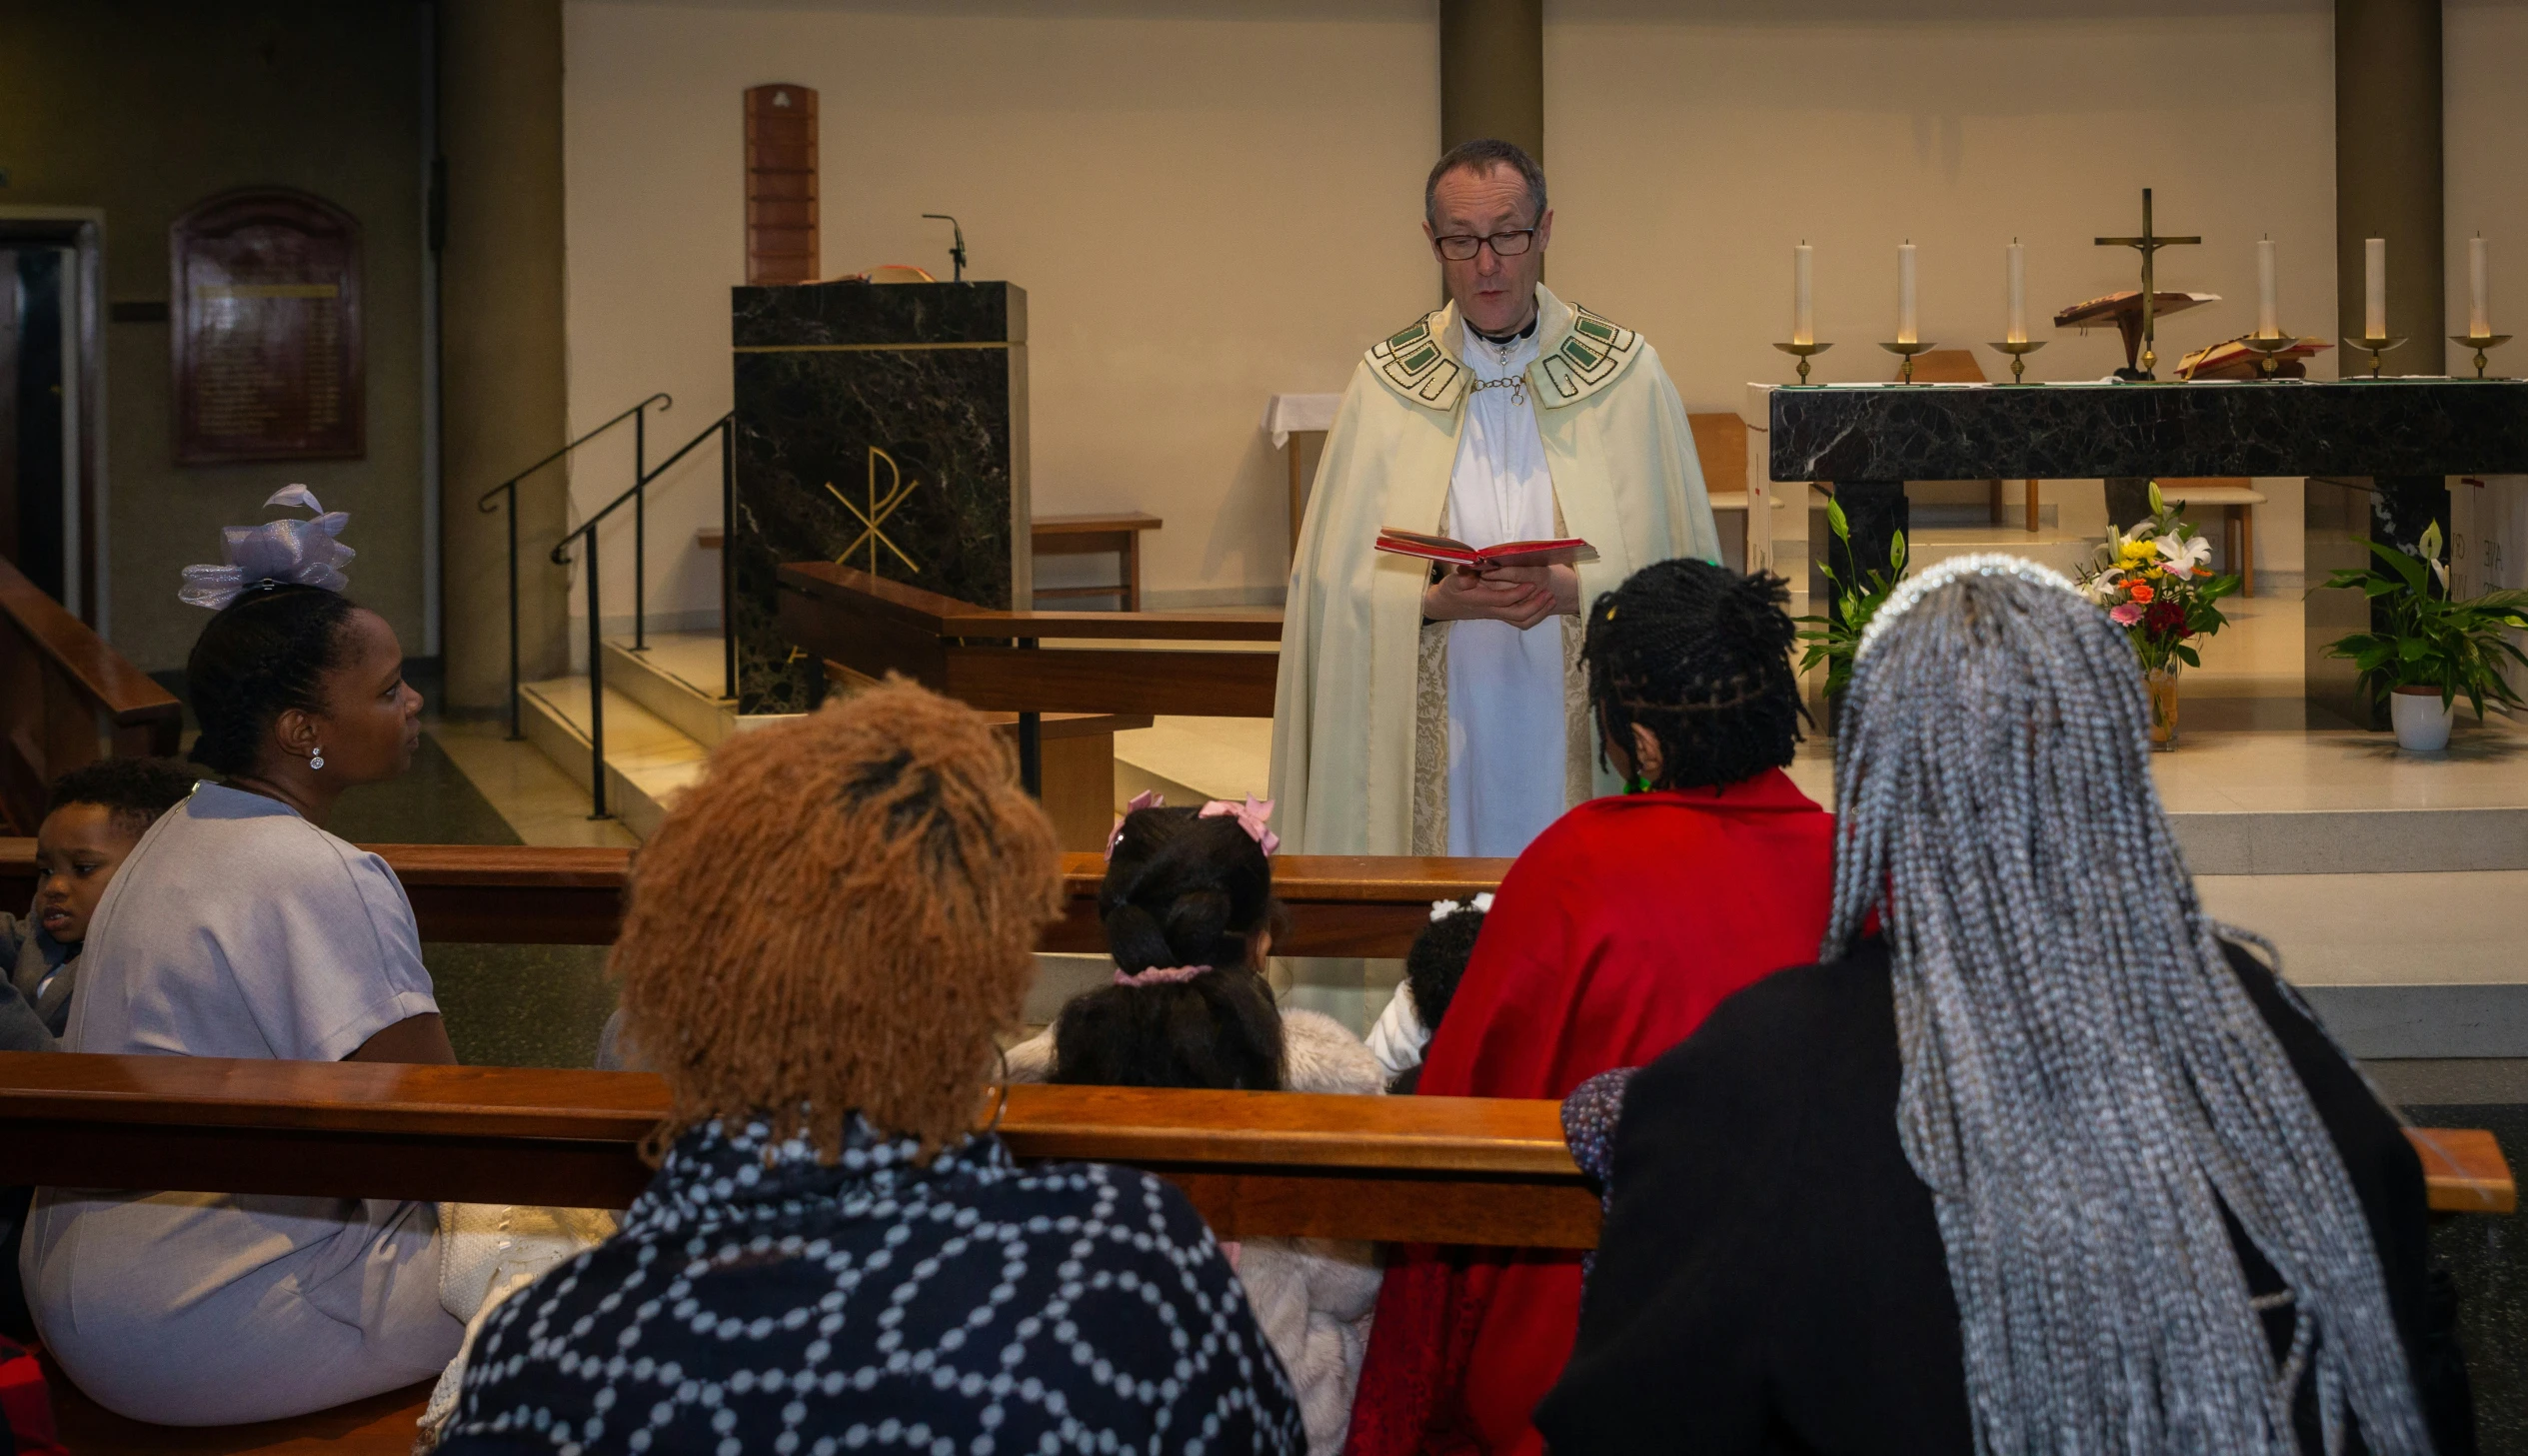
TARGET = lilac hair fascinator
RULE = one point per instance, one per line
(1252, 816)
(276, 552)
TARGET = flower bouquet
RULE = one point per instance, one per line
(2153, 582)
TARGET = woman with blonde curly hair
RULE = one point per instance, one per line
(830, 1255)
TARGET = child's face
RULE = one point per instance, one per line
(77, 849)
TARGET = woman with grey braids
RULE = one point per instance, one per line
(2034, 1160)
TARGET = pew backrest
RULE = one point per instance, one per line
(541, 896)
(64, 694)
(1463, 1170)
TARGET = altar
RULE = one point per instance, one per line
(2378, 453)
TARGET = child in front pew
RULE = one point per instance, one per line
(1432, 969)
(94, 815)
(1189, 912)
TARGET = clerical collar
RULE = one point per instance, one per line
(1503, 341)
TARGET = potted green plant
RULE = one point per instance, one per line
(2154, 583)
(2433, 650)
(1835, 639)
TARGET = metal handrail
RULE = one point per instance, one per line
(638, 413)
(642, 476)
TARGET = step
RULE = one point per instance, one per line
(648, 761)
(679, 676)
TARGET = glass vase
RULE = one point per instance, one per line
(2161, 681)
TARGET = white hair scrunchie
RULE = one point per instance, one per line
(276, 552)
(1982, 563)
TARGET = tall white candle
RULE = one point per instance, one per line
(2479, 294)
(1904, 294)
(2268, 317)
(2017, 333)
(2374, 288)
(1804, 299)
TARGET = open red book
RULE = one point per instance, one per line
(1484, 558)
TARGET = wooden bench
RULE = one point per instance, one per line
(2238, 499)
(1465, 1170)
(526, 895)
(64, 697)
(1094, 534)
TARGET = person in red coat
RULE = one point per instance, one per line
(1622, 925)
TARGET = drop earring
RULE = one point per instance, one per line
(316, 760)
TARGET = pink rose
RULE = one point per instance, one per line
(2127, 615)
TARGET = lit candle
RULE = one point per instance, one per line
(2268, 317)
(2017, 333)
(1904, 294)
(2479, 294)
(2374, 288)
(1803, 302)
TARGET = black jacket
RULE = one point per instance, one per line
(1772, 1276)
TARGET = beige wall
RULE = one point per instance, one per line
(1692, 146)
(144, 108)
(2486, 44)
(1206, 203)
(1107, 155)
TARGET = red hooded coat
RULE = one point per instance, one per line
(1614, 934)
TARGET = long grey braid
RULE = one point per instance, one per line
(2086, 1085)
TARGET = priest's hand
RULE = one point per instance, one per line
(1561, 581)
(1466, 596)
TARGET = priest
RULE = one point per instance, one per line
(1438, 711)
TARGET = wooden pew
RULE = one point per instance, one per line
(988, 658)
(523, 895)
(63, 694)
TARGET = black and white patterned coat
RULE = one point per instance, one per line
(756, 1300)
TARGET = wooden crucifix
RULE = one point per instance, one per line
(2149, 244)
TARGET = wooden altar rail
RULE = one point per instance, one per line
(983, 657)
(62, 692)
(1470, 1170)
(536, 895)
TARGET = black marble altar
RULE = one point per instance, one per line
(2388, 443)
(2059, 432)
(904, 404)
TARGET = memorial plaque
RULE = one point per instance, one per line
(266, 324)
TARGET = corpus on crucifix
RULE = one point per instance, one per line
(2148, 244)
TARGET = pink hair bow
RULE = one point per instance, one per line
(1147, 798)
(1251, 815)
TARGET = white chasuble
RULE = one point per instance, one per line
(1603, 438)
(1505, 709)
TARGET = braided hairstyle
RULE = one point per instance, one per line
(2087, 1085)
(1180, 890)
(263, 654)
(1699, 655)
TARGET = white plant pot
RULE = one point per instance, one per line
(2422, 723)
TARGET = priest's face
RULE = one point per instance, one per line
(1495, 294)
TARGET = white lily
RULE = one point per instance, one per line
(2183, 555)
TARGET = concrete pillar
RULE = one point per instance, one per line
(1491, 72)
(2387, 175)
(501, 346)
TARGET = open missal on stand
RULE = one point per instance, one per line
(1484, 558)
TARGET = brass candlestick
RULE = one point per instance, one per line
(1803, 351)
(2479, 343)
(2269, 345)
(2377, 346)
(1908, 351)
(2018, 349)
